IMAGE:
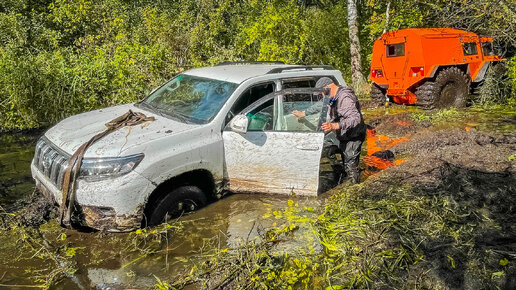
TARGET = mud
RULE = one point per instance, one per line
(472, 150)
(38, 210)
(473, 170)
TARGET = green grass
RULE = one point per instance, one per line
(382, 233)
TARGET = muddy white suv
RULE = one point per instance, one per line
(227, 127)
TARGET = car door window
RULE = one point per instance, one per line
(262, 117)
(250, 96)
(275, 112)
(469, 48)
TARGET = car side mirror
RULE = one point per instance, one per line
(239, 124)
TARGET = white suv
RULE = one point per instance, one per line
(227, 127)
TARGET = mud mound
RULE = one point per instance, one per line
(472, 150)
(472, 171)
(35, 211)
(367, 104)
(396, 125)
(39, 211)
(433, 154)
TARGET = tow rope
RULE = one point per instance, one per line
(74, 164)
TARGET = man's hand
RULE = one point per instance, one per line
(327, 127)
(299, 114)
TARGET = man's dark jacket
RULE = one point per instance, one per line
(345, 110)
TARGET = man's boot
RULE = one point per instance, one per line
(353, 173)
(338, 173)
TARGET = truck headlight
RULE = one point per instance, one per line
(93, 169)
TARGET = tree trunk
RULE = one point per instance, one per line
(356, 66)
(386, 26)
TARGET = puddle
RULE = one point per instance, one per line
(499, 120)
(105, 260)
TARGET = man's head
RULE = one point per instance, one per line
(323, 82)
(326, 82)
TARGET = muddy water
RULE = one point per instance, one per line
(32, 257)
(16, 152)
(69, 259)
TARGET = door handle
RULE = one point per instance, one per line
(308, 148)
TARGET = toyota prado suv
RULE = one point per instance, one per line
(227, 128)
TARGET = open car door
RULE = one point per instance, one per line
(268, 150)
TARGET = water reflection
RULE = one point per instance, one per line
(16, 152)
(224, 224)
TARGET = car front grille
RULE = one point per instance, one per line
(51, 161)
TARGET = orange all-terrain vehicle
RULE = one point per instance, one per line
(430, 67)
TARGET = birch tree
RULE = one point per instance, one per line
(354, 46)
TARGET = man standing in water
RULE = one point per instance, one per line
(345, 118)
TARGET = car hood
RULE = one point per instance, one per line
(72, 132)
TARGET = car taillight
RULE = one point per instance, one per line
(417, 71)
(376, 73)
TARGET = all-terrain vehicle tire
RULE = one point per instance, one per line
(425, 95)
(377, 95)
(450, 89)
(175, 203)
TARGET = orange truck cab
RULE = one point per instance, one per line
(430, 67)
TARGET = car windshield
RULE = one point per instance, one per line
(189, 99)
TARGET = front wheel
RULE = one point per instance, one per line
(180, 200)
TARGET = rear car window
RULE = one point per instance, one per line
(397, 49)
(306, 82)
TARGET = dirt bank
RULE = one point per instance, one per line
(468, 178)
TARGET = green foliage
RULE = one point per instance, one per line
(86, 56)
(496, 89)
(512, 76)
(442, 115)
(265, 37)
(62, 57)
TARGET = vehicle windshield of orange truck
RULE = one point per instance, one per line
(397, 49)
(487, 48)
(189, 99)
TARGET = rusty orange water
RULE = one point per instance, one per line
(376, 143)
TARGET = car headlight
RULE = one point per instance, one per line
(93, 169)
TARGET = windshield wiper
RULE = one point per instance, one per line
(150, 108)
(165, 113)
(177, 115)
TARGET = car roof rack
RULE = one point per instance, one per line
(248, 62)
(300, 67)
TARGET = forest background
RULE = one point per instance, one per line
(63, 57)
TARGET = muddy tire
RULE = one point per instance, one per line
(377, 95)
(450, 89)
(425, 95)
(181, 200)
